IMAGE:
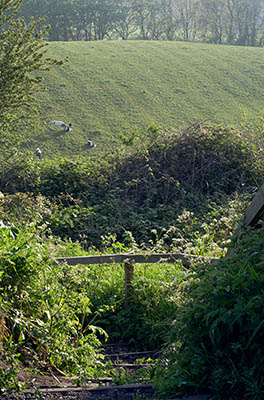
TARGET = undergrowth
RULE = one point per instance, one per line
(42, 311)
(215, 341)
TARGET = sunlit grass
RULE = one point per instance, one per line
(111, 87)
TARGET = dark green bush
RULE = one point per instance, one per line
(149, 185)
(216, 341)
(204, 159)
(19, 174)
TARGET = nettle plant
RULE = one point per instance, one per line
(9, 365)
(45, 312)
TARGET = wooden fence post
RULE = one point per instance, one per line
(129, 275)
(256, 209)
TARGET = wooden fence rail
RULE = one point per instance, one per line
(185, 259)
(130, 259)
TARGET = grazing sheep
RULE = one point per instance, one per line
(38, 153)
(61, 125)
(90, 143)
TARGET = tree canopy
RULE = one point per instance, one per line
(22, 55)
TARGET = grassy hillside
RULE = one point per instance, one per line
(111, 87)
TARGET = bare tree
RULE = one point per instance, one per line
(246, 13)
(212, 20)
(125, 23)
(168, 19)
(83, 21)
(238, 22)
(186, 15)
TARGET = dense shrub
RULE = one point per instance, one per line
(204, 159)
(142, 187)
(19, 174)
(210, 159)
(147, 186)
(216, 340)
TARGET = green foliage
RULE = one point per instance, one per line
(25, 207)
(17, 257)
(9, 356)
(44, 309)
(253, 129)
(21, 56)
(169, 191)
(142, 325)
(215, 342)
(150, 186)
(19, 174)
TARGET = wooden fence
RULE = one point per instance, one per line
(252, 215)
(130, 259)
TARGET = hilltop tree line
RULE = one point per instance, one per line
(238, 22)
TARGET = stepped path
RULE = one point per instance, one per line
(54, 386)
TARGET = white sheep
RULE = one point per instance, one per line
(61, 125)
(38, 153)
(91, 144)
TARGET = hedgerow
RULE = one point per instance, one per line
(144, 186)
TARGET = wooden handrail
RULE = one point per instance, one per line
(185, 259)
(129, 260)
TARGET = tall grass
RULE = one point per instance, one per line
(141, 324)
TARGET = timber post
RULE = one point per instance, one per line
(256, 209)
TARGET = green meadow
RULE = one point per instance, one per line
(108, 88)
